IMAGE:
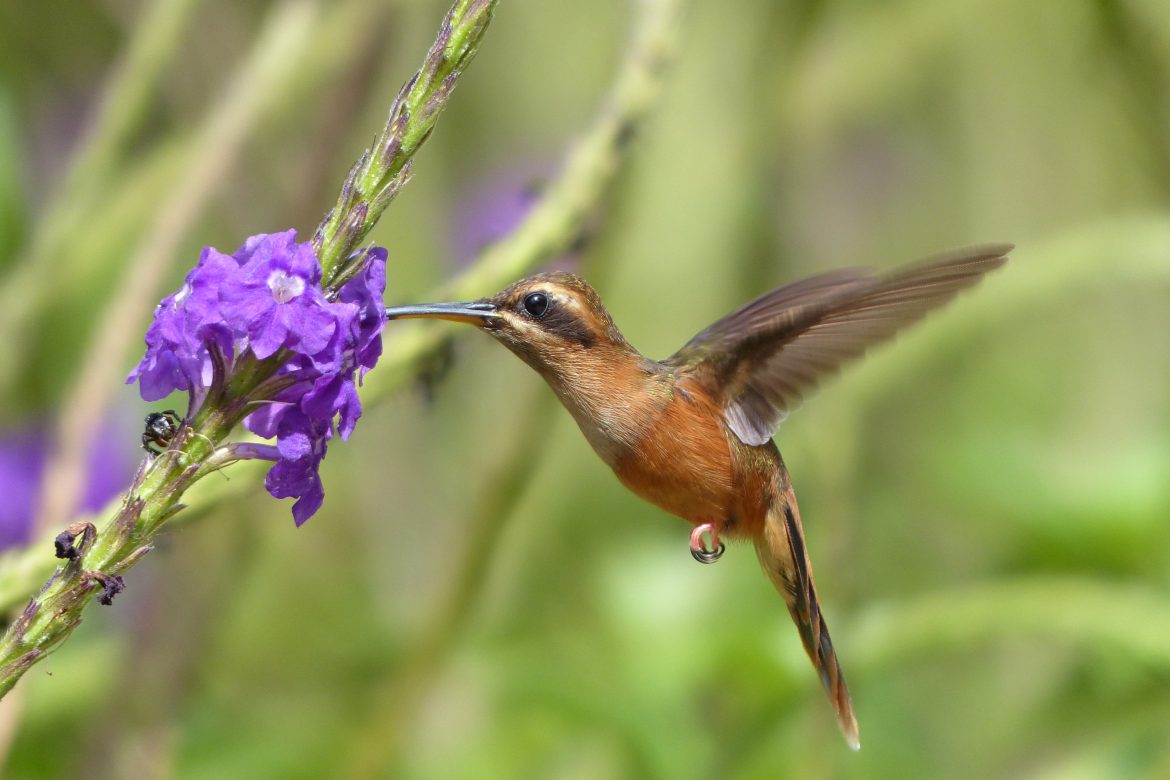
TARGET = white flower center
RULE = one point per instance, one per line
(285, 287)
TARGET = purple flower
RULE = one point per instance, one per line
(277, 300)
(265, 298)
(493, 207)
(301, 444)
(326, 381)
(365, 291)
(359, 345)
(184, 326)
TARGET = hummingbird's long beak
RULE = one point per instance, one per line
(476, 313)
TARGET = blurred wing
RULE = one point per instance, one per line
(762, 359)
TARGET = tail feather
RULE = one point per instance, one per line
(780, 548)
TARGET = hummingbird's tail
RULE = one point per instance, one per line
(780, 548)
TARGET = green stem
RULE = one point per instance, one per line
(384, 168)
(51, 616)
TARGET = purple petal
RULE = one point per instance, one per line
(264, 421)
(243, 304)
(309, 502)
(313, 324)
(294, 446)
(350, 410)
(267, 334)
(321, 403)
(159, 375)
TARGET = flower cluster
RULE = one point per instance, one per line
(266, 300)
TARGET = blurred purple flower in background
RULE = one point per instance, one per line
(22, 459)
(23, 454)
(264, 299)
(492, 207)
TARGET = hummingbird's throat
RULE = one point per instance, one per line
(607, 402)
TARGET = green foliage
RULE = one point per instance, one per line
(986, 500)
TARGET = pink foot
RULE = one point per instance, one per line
(699, 551)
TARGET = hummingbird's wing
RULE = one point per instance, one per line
(763, 358)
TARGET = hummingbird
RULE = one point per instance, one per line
(692, 433)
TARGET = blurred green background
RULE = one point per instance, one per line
(986, 500)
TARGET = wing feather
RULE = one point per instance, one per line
(763, 358)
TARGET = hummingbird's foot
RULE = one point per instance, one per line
(700, 551)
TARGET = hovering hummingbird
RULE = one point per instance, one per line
(693, 433)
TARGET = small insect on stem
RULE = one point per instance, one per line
(160, 429)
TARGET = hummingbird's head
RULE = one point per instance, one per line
(552, 321)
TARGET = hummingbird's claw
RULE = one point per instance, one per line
(708, 556)
(699, 551)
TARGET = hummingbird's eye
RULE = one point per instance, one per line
(536, 304)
